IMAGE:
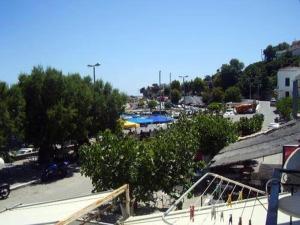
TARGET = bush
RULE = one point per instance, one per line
(249, 126)
(284, 107)
(162, 162)
(152, 104)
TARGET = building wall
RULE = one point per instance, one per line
(296, 51)
(288, 72)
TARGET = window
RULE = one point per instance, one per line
(287, 94)
(287, 82)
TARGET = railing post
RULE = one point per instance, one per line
(127, 200)
(273, 199)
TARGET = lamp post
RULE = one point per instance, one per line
(183, 88)
(97, 64)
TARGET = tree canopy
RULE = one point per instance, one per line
(159, 163)
(46, 108)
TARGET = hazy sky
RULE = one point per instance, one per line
(134, 39)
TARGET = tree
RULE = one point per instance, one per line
(284, 107)
(175, 96)
(269, 53)
(215, 107)
(175, 84)
(152, 104)
(62, 108)
(217, 95)
(11, 116)
(230, 73)
(232, 94)
(214, 133)
(197, 86)
(161, 163)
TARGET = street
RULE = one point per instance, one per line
(68, 187)
(265, 109)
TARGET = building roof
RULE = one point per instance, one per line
(264, 144)
(57, 212)
(192, 100)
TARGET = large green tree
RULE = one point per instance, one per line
(230, 73)
(163, 162)
(63, 108)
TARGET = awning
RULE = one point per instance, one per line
(141, 120)
(128, 124)
(161, 119)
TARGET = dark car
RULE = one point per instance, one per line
(273, 102)
(55, 171)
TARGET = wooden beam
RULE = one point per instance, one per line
(94, 205)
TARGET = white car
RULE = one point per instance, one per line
(25, 151)
(228, 113)
(274, 125)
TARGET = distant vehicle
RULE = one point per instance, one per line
(55, 171)
(273, 102)
(274, 125)
(25, 151)
(229, 113)
(245, 108)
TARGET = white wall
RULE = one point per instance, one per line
(288, 72)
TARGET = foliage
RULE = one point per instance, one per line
(141, 103)
(217, 95)
(152, 104)
(215, 107)
(284, 107)
(175, 84)
(168, 105)
(11, 116)
(232, 94)
(66, 108)
(248, 126)
(159, 163)
(229, 73)
(214, 133)
(175, 96)
(197, 86)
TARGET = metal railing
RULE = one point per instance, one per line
(214, 178)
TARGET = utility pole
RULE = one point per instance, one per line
(94, 71)
(94, 75)
(170, 86)
(159, 73)
(183, 88)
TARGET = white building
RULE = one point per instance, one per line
(285, 78)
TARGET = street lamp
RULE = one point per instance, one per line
(97, 64)
(183, 87)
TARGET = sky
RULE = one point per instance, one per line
(134, 39)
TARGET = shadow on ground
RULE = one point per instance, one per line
(26, 172)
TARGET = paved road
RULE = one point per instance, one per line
(69, 187)
(268, 112)
(265, 109)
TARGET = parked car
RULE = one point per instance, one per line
(273, 102)
(274, 125)
(25, 151)
(55, 171)
(228, 113)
